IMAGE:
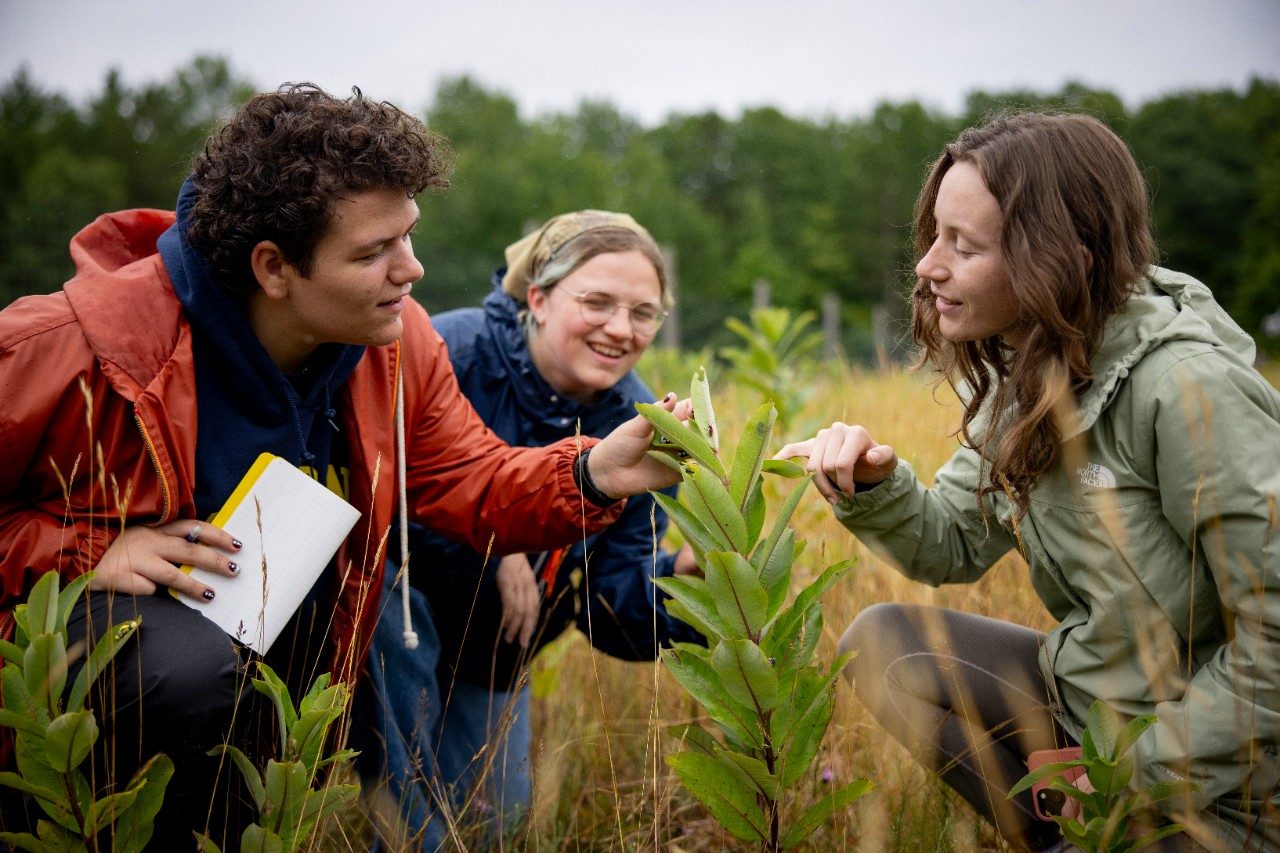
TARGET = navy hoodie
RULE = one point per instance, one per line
(245, 404)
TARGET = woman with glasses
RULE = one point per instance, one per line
(549, 355)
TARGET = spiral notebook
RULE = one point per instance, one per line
(290, 526)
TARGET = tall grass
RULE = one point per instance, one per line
(599, 780)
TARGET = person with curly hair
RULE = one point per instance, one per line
(1116, 435)
(271, 313)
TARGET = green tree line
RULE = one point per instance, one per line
(812, 206)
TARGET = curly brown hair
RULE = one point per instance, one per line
(277, 167)
(1063, 182)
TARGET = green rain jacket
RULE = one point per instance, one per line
(1157, 548)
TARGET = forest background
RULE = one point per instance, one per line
(813, 207)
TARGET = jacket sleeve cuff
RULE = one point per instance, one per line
(899, 482)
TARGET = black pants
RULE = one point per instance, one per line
(180, 686)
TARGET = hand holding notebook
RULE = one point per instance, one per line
(290, 526)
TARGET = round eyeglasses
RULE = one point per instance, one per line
(597, 309)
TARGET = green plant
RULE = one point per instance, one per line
(289, 804)
(54, 732)
(1107, 814)
(755, 679)
(777, 344)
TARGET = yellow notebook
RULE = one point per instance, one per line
(290, 526)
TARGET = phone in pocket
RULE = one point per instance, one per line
(1047, 801)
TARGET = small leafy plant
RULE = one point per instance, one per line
(54, 733)
(776, 347)
(769, 703)
(1107, 814)
(289, 804)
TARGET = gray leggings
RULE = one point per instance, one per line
(964, 693)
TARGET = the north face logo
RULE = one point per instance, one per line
(1092, 474)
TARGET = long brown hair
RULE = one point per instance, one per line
(1063, 182)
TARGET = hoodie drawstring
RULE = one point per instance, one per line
(410, 635)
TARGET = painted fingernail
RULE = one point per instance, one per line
(670, 396)
(207, 595)
(237, 544)
(232, 567)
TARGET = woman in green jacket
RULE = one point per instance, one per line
(1116, 434)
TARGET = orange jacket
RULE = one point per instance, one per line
(98, 431)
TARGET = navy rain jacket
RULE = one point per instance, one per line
(612, 603)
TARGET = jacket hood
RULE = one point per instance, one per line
(117, 251)
(1174, 307)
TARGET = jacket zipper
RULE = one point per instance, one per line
(155, 463)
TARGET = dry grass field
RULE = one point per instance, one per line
(600, 782)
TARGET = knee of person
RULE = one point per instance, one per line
(867, 632)
(206, 666)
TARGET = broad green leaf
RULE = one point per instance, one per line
(764, 551)
(41, 613)
(12, 780)
(309, 735)
(755, 515)
(134, 827)
(318, 693)
(106, 648)
(724, 790)
(710, 502)
(205, 844)
(697, 676)
(692, 597)
(1087, 750)
(799, 650)
(59, 837)
(1104, 726)
(287, 822)
(699, 537)
(327, 801)
(252, 777)
(33, 766)
(104, 811)
(804, 740)
(694, 738)
(10, 653)
(69, 596)
(672, 429)
(21, 722)
(704, 414)
(1132, 730)
(735, 589)
(255, 839)
(13, 688)
(783, 468)
(745, 674)
(750, 454)
(1044, 771)
(69, 739)
(788, 623)
(27, 841)
(817, 814)
(44, 668)
(755, 770)
(775, 573)
(269, 684)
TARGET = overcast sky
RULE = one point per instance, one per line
(653, 57)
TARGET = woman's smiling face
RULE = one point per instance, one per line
(965, 266)
(581, 360)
